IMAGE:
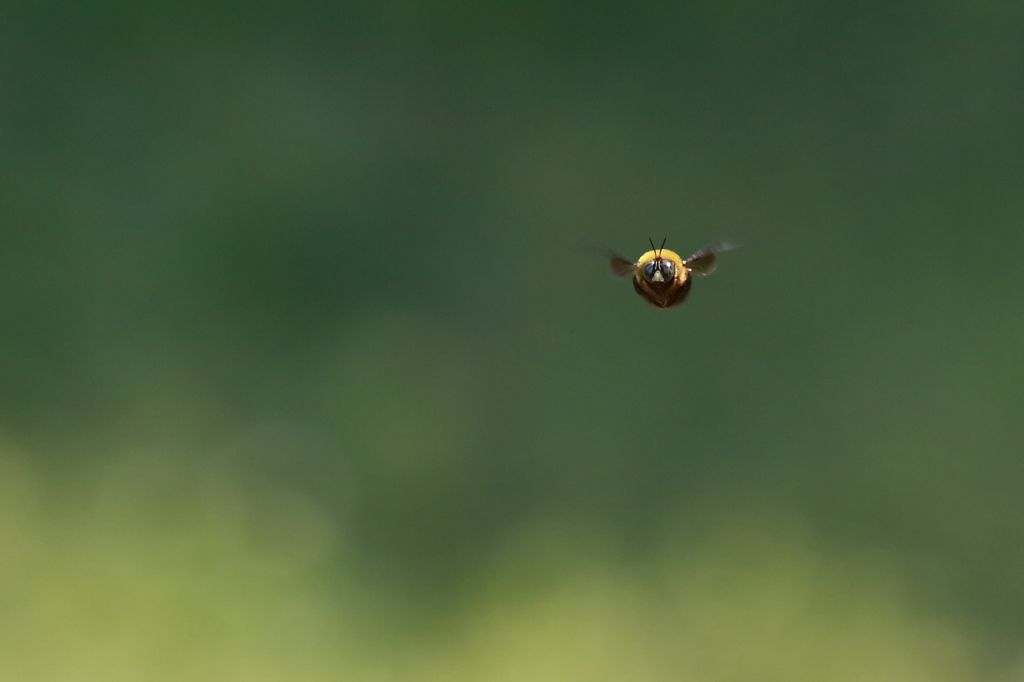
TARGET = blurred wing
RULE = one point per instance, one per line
(704, 261)
(620, 266)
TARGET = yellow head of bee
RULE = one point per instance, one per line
(660, 266)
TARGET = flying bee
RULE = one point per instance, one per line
(661, 277)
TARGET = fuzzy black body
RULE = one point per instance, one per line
(663, 294)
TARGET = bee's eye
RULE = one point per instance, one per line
(659, 270)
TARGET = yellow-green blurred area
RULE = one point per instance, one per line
(304, 374)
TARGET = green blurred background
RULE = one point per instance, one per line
(305, 377)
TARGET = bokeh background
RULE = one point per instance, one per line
(304, 374)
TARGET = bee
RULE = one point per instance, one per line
(661, 277)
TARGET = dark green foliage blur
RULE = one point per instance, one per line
(297, 308)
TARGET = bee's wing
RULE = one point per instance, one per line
(704, 261)
(620, 266)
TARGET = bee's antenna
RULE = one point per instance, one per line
(653, 247)
(662, 247)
